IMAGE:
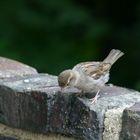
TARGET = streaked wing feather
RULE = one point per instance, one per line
(85, 65)
(93, 69)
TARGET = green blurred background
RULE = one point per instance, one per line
(53, 35)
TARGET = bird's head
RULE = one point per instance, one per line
(66, 78)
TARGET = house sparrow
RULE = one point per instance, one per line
(89, 76)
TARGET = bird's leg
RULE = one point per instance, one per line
(80, 93)
(95, 98)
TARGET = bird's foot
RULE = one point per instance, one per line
(94, 100)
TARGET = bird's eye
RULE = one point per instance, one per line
(67, 84)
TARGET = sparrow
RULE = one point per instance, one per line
(89, 76)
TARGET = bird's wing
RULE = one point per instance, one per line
(93, 69)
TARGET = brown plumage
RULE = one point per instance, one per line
(89, 76)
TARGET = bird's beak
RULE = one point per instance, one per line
(62, 89)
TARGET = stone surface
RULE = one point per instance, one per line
(11, 68)
(131, 123)
(23, 102)
(35, 103)
(18, 134)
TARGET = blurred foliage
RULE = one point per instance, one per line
(54, 35)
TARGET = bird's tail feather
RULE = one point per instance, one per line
(113, 56)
